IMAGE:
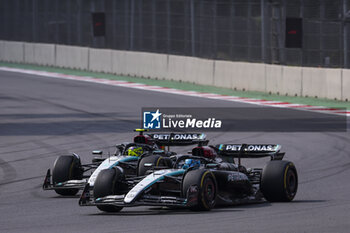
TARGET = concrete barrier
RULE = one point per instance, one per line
(13, 51)
(176, 67)
(346, 85)
(285, 80)
(119, 65)
(190, 69)
(153, 65)
(29, 53)
(291, 81)
(249, 76)
(223, 74)
(44, 54)
(132, 62)
(138, 63)
(204, 71)
(2, 50)
(274, 79)
(72, 57)
(321, 83)
(313, 82)
(333, 84)
(100, 60)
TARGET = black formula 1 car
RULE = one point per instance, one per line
(69, 175)
(199, 181)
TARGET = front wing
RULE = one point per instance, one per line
(144, 200)
(70, 184)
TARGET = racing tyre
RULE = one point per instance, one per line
(67, 167)
(107, 183)
(204, 183)
(279, 181)
(156, 160)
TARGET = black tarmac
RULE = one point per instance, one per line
(41, 118)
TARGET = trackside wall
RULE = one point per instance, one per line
(277, 79)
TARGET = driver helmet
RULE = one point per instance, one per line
(191, 163)
(135, 151)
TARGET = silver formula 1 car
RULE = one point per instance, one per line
(69, 175)
(199, 181)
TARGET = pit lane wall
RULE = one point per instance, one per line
(277, 79)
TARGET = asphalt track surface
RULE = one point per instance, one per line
(41, 118)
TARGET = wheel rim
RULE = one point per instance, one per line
(291, 183)
(209, 191)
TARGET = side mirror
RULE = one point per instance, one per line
(97, 152)
(212, 165)
(158, 152)
(148, 165)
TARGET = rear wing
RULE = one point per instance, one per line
(179, 139)
(250, 151)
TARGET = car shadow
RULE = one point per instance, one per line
(247, 205)
(70, 196)
(309, 201)
(184, 211)
(165, 211)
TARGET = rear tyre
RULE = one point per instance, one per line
(107, 183)
(279, 181)
(206, 186)
(156, 160)
(66, 167)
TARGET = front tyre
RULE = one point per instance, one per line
(206, 185)
(279, 181)
(67, 167)
(107, 183)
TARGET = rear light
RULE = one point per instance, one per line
(204, 151)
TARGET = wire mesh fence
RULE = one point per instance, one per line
(236, 30)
